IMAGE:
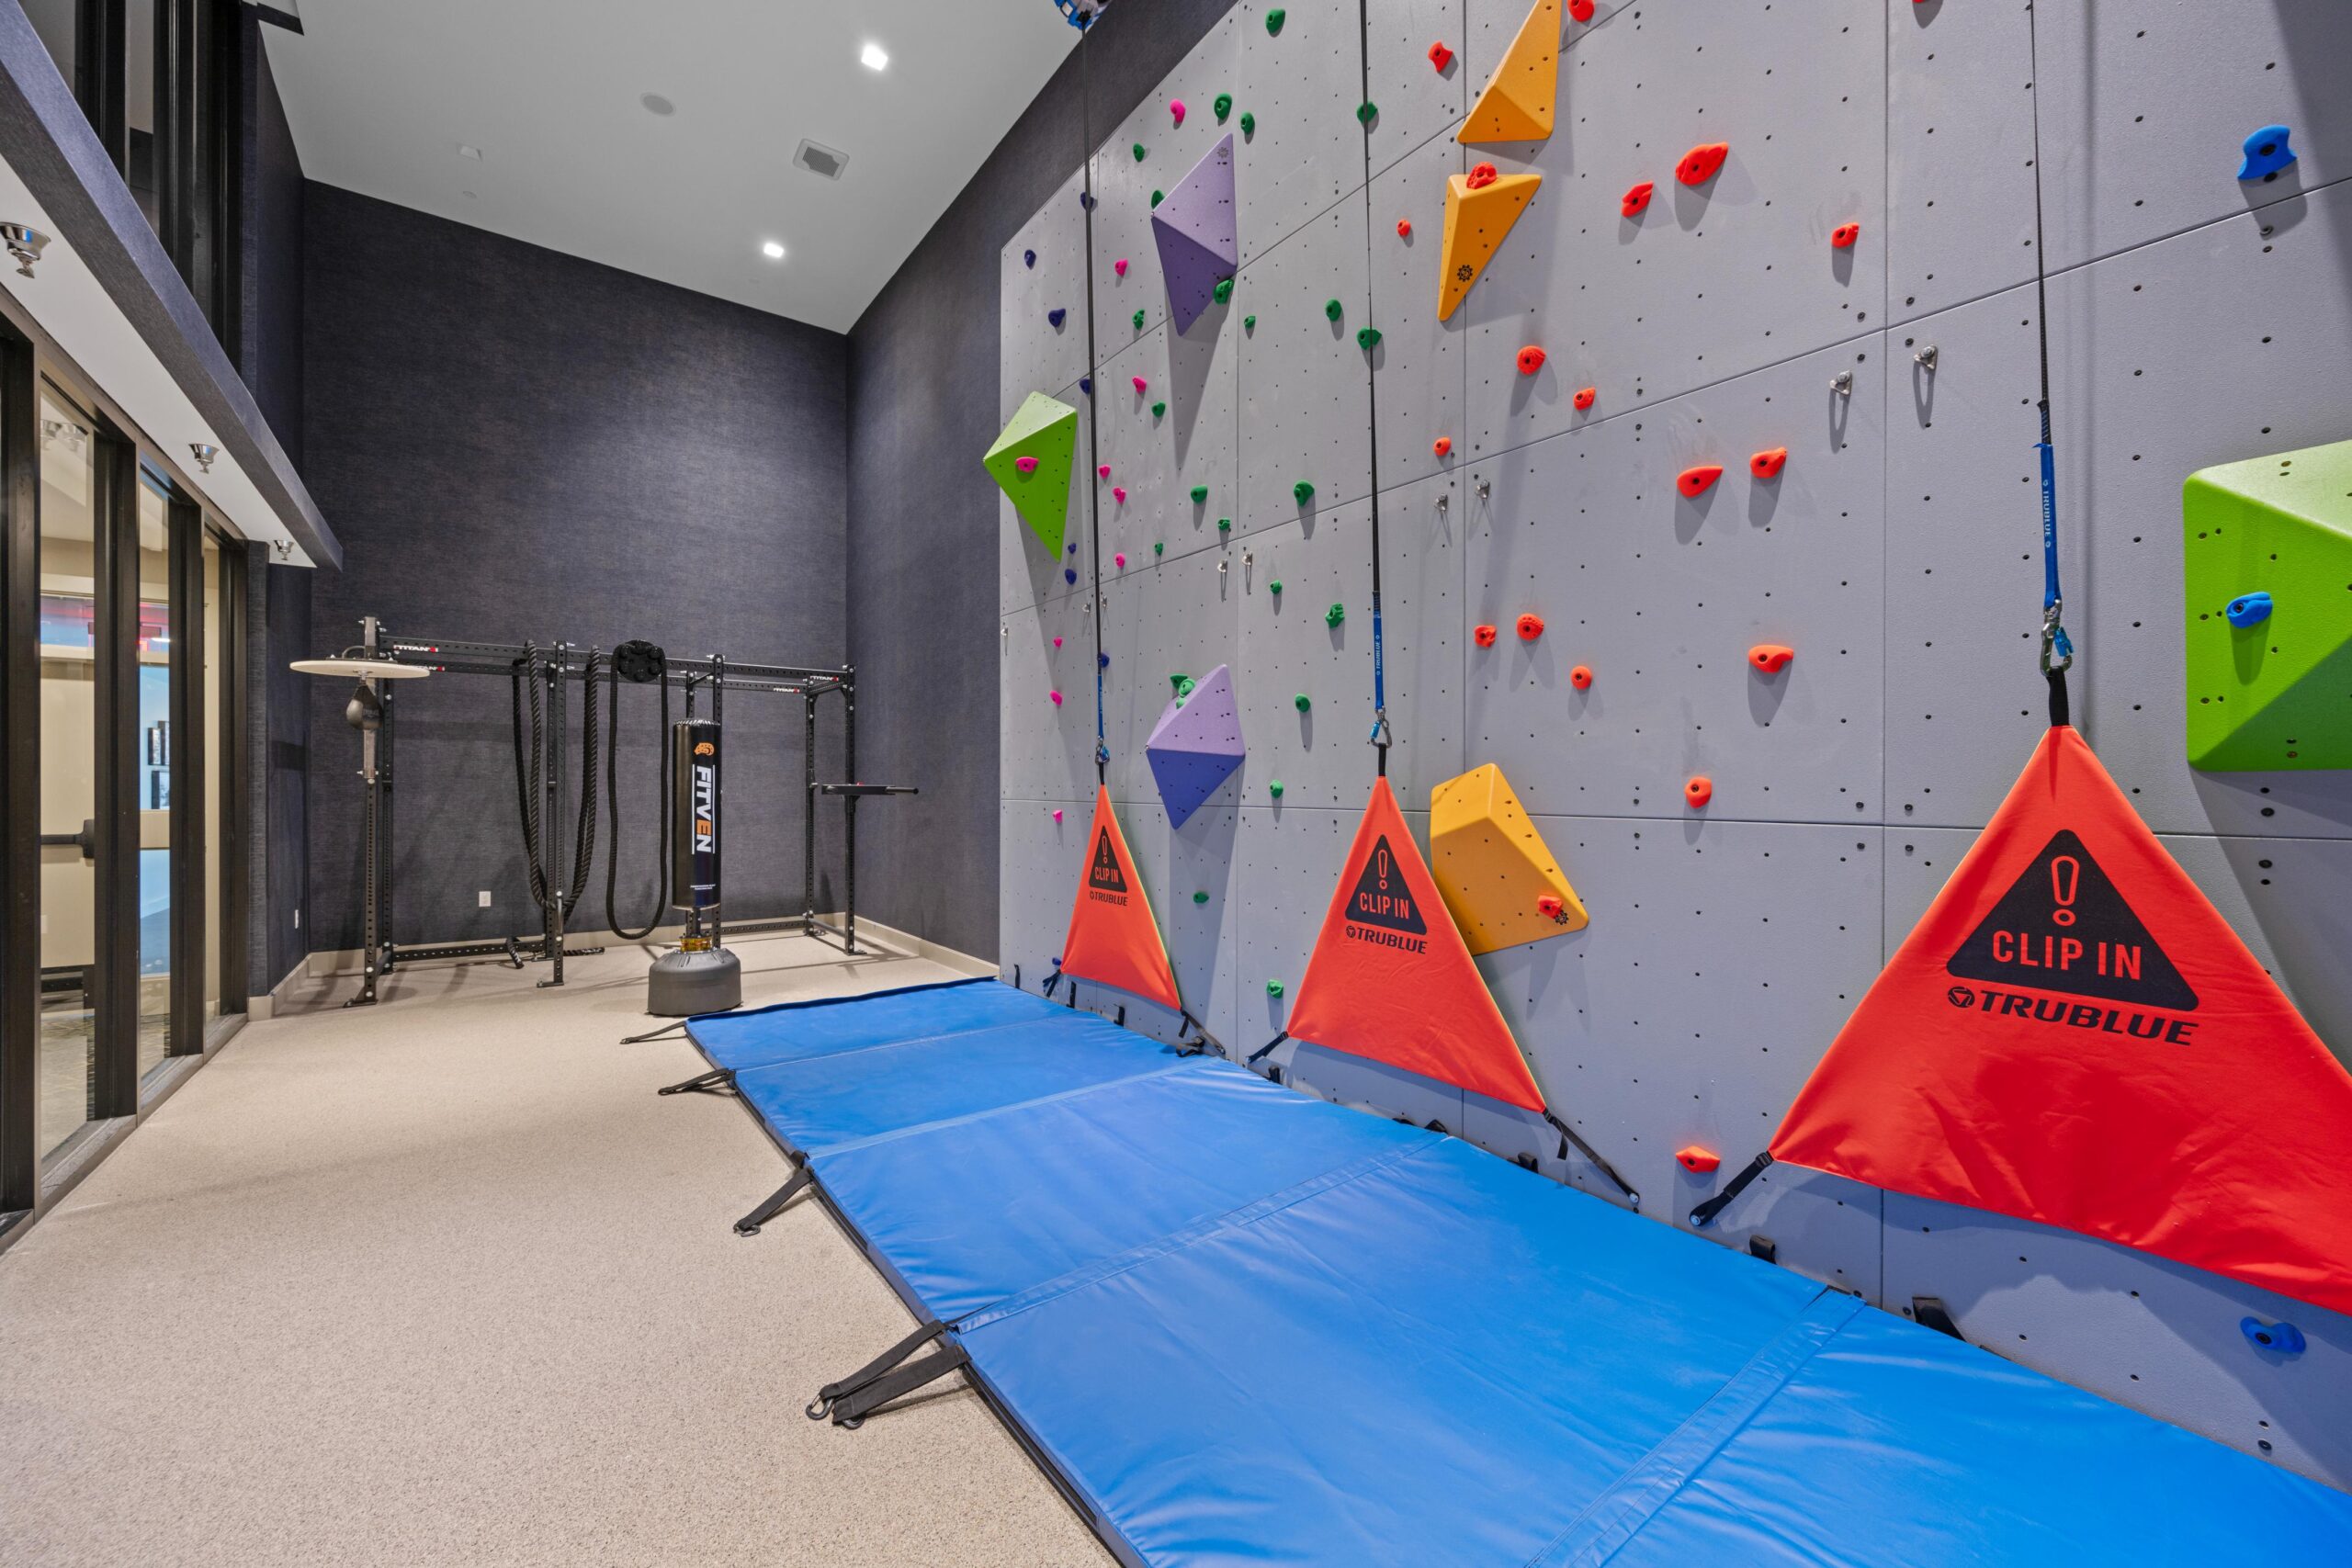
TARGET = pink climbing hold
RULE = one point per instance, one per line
(1103, 470)
(1120, 266)
(1176, 109)
(1057, 696)
(1057, 813)
(1119, 494)
(1057, 642)
(1120, 559)
(1141, 383)
(1026, 465)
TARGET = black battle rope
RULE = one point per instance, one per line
(526, 672)
(612, 810)
(530, 777)
(583, 848)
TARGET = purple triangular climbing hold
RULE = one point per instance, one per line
(1196, 745)
(1195, 228)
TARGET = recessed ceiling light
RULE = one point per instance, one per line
(772, 251)
(656, 104)
(466, 151)
(873, 57)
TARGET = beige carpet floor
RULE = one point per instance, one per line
(444, 1281)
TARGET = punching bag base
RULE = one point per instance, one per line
(683, 983)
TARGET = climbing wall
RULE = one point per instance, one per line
(1841, 318)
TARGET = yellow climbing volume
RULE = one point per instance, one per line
(1499, 881)
(1476, 220)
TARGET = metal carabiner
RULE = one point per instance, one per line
(2057, 648)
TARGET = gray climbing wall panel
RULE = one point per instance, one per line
(2195, 321)
(1038, 355)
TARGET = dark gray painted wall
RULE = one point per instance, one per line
(923, 516)
(518, 444)
(270, 316)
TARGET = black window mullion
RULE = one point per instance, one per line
(101, 75)
(188, 743)
(236, 779)
(114, 1076)
(19, 775)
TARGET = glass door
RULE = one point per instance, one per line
(66, 1080)
(152, 760)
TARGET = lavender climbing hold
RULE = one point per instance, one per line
(1029, 258)
(1056, 316)
(1196, 745)
(1195, 235)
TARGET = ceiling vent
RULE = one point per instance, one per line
(820, 160)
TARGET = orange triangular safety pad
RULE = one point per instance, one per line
(1390, 978)
(1113, 938)
(2072, 1035)
(1517, 103)
(1475, 222)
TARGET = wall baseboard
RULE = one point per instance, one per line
(330, 962)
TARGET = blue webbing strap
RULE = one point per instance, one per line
(2057, 648)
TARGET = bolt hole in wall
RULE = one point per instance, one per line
(1719, 370)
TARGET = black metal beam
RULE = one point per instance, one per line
(114, 1076)
(189, 746)
(19, 774)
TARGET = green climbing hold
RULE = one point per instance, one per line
(1335, 615)
(1138, 152)
(1158, 548)
(1275, 789)
(1200, 493)
(1157, 197)
(1332, 309)
(1274, 22)
(1178, 680)
(1225, 524)
(1365, 111)
(1184, 684)
(1274, 987)
(1160, 411)
(1367, 337)
(1139, 320)
(1276, 586)
(1302, 492)
(1223, 291)
(1248, 323)
(1224, 106)
(1300, 703)
(1248, 124)
(1200, 898)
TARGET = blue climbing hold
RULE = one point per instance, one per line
(1069, 574)
(1086, 201)
(1102, 661)
(1056, 316)
(2266, 153)
(1073, 549)
(1086, 385)
(2283, 1337)
(2249, 609)
(1029, 258)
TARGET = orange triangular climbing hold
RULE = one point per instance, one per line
(1113, 938)
(1391, 980)
(1498, 880)
(2072, 1034)
(1518, 102)
(1477, 216)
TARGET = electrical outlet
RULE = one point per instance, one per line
(481, 899)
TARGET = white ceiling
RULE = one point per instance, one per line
(381, 93)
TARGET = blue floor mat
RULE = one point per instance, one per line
(1244, 1327)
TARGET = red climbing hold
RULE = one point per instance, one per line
(1550, 908)
(1843, 237)
(1691, 482)
(1531, 360)
(1699, 791)
(1403, 227)
(1440, 56)
(1585, 395)
(1770, 657)
(1485, 636)
(1531, 626)
(1636, 199)
(1580, 9)
(1766, 465)
(1695, 1159)
(1699, 164)
(1581, 677)
(1480, 176)
(1442, 446)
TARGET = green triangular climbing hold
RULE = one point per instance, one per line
(1367, 337)
(1274, 21)
(1302, 492)
(1157, 198)
(1031, 462)
(2266, 576)
(1223, 291)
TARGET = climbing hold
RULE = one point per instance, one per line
(1767, 463)
(1480, 176)
(1057, 642)
(1335, 615)
(1581, 677)
(1276, 586)
(1224, 106)
(1442, 446)
(1103, 470)
(1274, 28)
(1842, 238)
(1046, 432)
(2249, 609)
(1086, 200)
(1440, 56)
(1139, 319)
(1498, 878)
(1302, 492)
(1196, 745)
(1086, 385)
(1531, 360)
(1198, 245)
(1483, 636)
(1695, 1159)
(1693, 481)
(1138, 152)
(1771, 658)
(1635, 199)
(1056, 316)
(2283, 1337)
(1585, 395)
(1699, 789)
(1700, 164)
(1176, 110)
(1332, 310)
(1222, 290)
(1120, 266)
(1225, 524)
(1158, 548)
(1057, 813)
(1057, 696)
(1025, 465)
(1580, 9)
(1184, 684)
(1366, 112)
(1200, 898)
(1029, 258)
(1551, 909)
(1248, 124)
(1069, 574)
(2267, 153)
(1531, 626)
(1517, 103)
(1120, 559)
(1200, 494)
(1300, 702)
(1119, 494)
(1073, 549)
(1160, 411)
(1274, 987)
(1141, 383)
(1248, 323)
(1275, 788)
(1157, 198)
(1367, 337)
(1403, 227)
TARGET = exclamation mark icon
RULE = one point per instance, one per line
(2065, 881)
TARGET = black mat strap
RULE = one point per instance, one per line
(1705, 1214)
(749, 1224)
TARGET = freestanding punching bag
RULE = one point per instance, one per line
(700, 977)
